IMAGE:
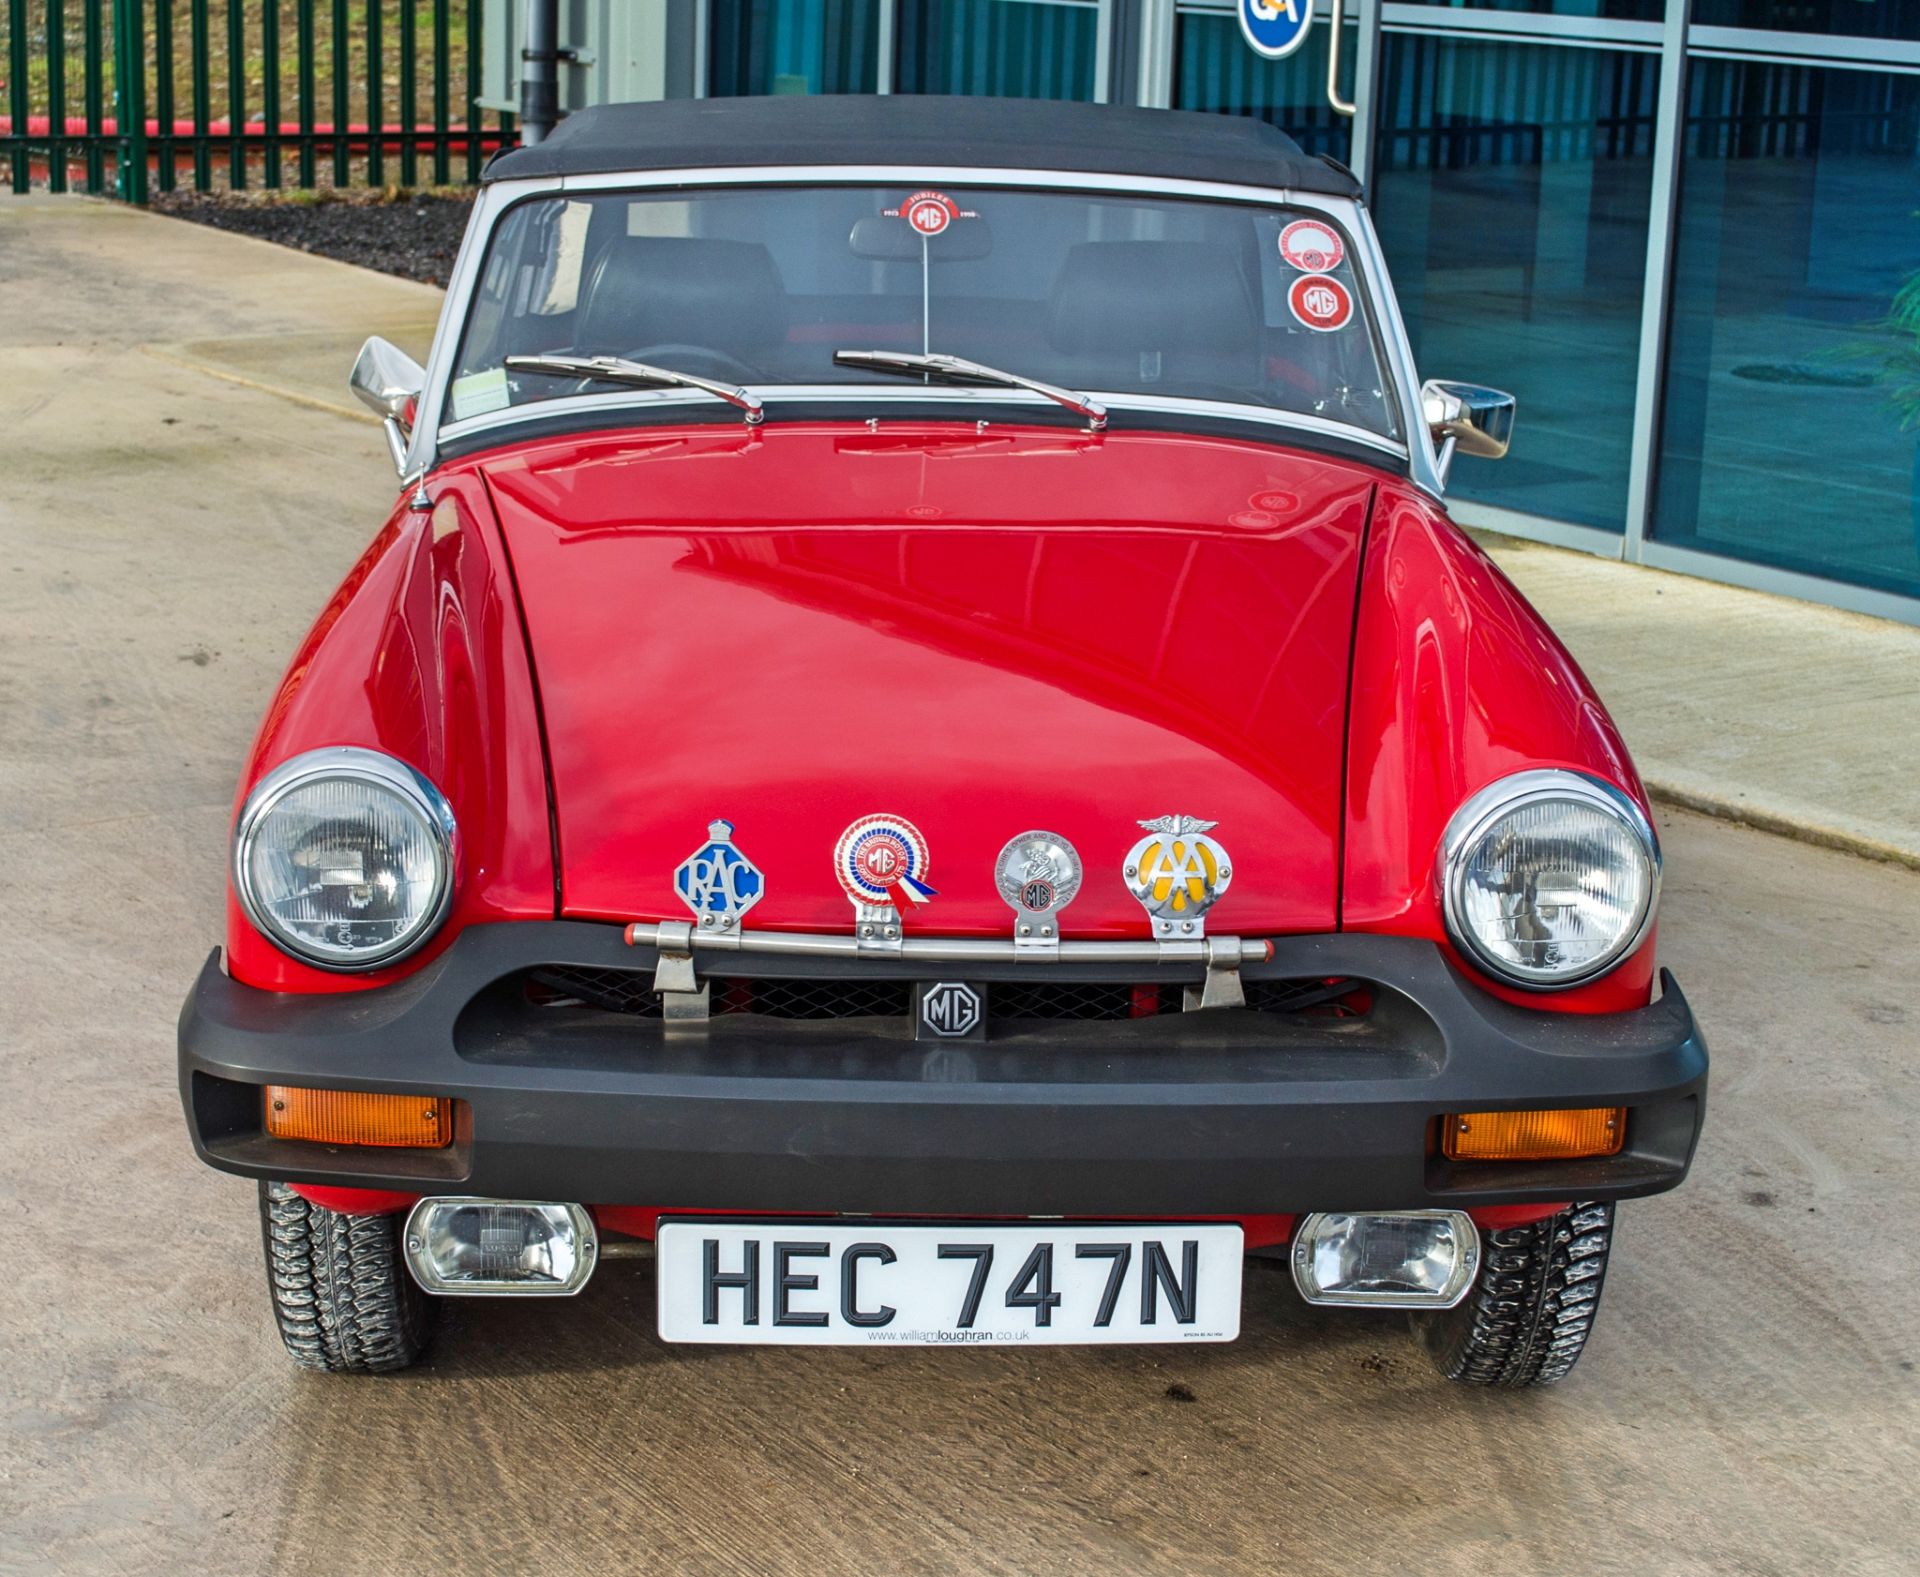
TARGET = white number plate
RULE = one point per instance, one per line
(881, 1282)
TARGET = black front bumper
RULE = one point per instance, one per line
(1227, 1112)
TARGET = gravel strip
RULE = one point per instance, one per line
(415, 235)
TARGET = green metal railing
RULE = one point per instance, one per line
(208, 93)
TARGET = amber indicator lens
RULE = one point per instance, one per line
(419, 1122)
(1533, 1136)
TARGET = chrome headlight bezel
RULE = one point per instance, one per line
(1477, 816)
(355, 764)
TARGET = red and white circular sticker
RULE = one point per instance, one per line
(1320, 302)
(1312, 246)
(930, 212)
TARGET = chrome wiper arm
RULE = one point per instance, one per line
(640, 374)
(934, 365)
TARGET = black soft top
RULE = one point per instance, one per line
(914, 129)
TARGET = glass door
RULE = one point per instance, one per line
(1320, 93)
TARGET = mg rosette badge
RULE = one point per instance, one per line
(879, 856)
(717, 882)
(1038, 874)
(1178, 873)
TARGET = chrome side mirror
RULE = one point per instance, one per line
(389, 383)
(1465, 418)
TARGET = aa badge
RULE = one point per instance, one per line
(1038, 874)
(717, 882)
(1177, 872)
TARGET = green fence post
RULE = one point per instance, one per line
(342, 147)
(270, 88)
(202, 97)
(236, 96)
(472, 114)
(376, 100)
(56, 92)
(95, 97)
(130, 99)
(17, 105)
(441, 32)
(409, 92)
(303, 85)
(163, 91)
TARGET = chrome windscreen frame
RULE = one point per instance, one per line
(1417, 451)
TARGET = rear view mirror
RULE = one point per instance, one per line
(878, 239)
(1466, 418)
(389, 382)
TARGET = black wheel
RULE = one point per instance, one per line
(1527, 1318)
(340, 1289)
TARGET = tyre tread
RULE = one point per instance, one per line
(341, 1297)
(1528, 1317)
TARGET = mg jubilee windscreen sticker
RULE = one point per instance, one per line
(878, 854)
(1275, 28)
(930, 212)
(1312, 247)
(1320, 302)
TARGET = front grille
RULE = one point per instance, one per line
(1008, 1001)
(1343, 998)
(1067, 999)
(631, 991)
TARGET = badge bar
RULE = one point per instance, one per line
(1176, 873)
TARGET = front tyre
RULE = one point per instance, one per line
(1527, 1318)
(340, 1290)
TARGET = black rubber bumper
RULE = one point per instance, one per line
(1228, 1112)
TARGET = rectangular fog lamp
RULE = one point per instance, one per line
(1399, 1259)
(417, 1122)
(1533, 1136)
(489, 1247)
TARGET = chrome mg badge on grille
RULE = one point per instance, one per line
(717, 882)
(1038, 874)
(1178, 873)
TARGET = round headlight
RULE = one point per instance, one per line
(344, 858)
(1549, 878)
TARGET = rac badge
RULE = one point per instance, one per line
(1038, 874)
(1177, 873)
(717, 882)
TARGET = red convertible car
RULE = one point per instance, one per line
(919, 747)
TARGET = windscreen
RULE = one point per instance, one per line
(763, 285)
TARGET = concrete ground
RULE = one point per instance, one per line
(1791, 717)
(167, 529)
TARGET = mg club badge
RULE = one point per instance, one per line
(717, 882)
(1178, 873)
(1038, 874)
(1275, 28)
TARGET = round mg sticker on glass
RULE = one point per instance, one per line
(1320, 302)
(930, 212)
(1312, 246)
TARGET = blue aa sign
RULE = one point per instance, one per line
(1276, 28)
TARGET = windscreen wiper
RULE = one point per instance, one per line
(639, 374)
(912, 364)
